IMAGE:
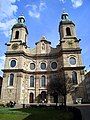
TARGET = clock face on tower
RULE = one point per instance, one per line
(70, 43)
(15, 46)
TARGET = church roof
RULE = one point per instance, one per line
(66, 22)
(65, 19)
(20, 23)
(43, 38)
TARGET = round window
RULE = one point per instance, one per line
(13, 63)
(32, 66)
(43, 66)
(53, 65)
(72, 61)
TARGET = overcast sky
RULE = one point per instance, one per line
(42, 18)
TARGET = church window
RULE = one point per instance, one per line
(68, 32)
(43, 46)
(53, 65)
(31, 81)
(43, 66)
(17, 35)
(43, 81)
(72, 61)
(13, 63)
(32, 66)
(74, 77)
(11, 79)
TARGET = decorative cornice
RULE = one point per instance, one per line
(47, 56)
(70, 37)
(12, 70)
(73, 68)
(66, 22)
(29, 72)
(43, 72)
(66, 50)
(15, 40)
(35, 56)
(77, 40)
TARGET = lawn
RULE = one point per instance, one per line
(34, 114)
(12, 114)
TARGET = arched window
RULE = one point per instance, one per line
(11, 79)
(43, 66)
(13, 63)
(17, 35)
(72, 61)
(53, 65)
(32, 66)
(31, 81)
(43, 81)
(74, 78)
(68, 32)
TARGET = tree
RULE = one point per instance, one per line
(67, 86)
(59, 85)
(54, 87)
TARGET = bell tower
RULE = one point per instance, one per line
(66, 27)
(71, 56)
(15, 62)
(19, 31)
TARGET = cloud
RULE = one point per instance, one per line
(35, 10)
(34, 14)
(7, 15)
(2, 60)
(42, 6)
(75, 3)
(62, 1)
(5, 26)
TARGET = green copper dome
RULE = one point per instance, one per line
(20, 23)
(65, 19)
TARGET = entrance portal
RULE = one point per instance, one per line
(43, 96)
(31, 98)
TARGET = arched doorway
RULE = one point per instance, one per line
(43, 96)
(31, 98)
(55, 95)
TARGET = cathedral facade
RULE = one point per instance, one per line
(27, 71)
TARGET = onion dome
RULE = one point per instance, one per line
(20, 23)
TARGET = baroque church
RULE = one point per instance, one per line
(27, 71)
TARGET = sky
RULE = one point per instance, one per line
(42, 19)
